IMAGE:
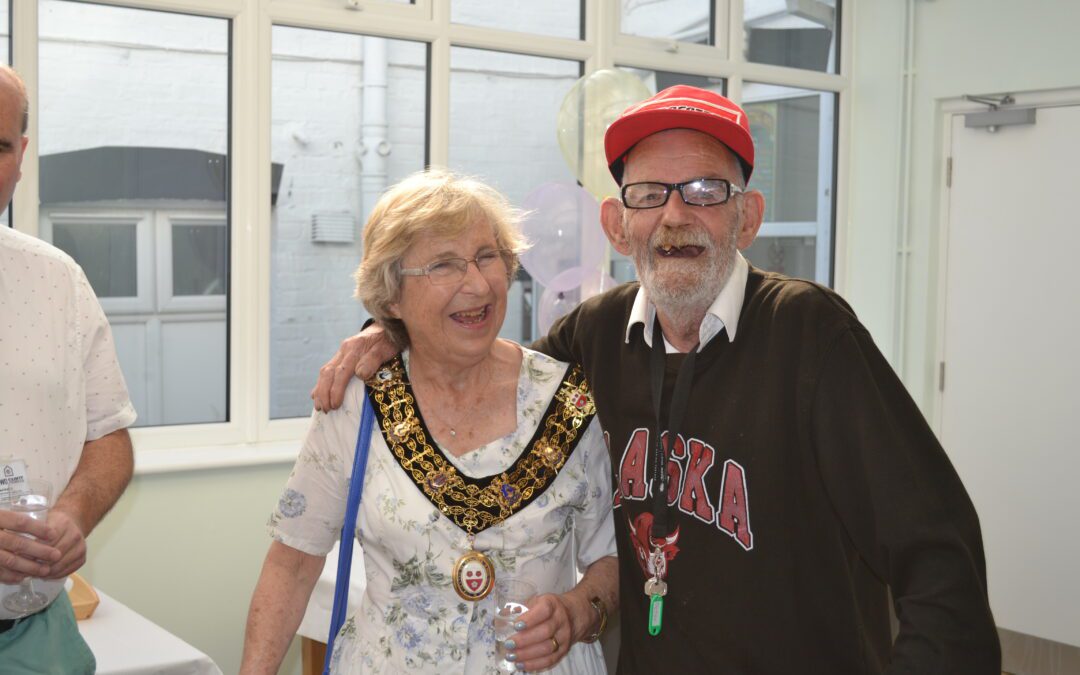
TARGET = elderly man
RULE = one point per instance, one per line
(774, 482)
(64, 409)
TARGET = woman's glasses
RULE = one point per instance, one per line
(453, 270)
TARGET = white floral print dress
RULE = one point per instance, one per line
(410, 618)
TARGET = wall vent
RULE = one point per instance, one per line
(333, 228)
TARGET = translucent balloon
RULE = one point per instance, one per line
(553, 305)
(587, 110)
(563, 225)
(567, 291)
(596, 283)
(567, 280)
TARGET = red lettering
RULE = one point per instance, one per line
(734, 516)
(632, 484)
(679, 451)
(694, 499)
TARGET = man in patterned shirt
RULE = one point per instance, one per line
(64, 410)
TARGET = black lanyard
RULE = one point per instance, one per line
(683, 381)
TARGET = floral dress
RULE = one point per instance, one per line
(410, 617)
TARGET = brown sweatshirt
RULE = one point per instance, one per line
(805, 486)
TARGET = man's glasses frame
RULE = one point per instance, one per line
(694, 192)
(453, 270)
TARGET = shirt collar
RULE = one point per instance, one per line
(722, 313)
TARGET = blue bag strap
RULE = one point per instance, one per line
(356, 486)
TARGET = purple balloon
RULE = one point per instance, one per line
(553, 305)
(596, 283)
(563, 226)
(568, 279)
(566, 291)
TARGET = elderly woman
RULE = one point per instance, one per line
(486, 462)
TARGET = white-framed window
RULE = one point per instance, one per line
(283, 148)
(159, 274)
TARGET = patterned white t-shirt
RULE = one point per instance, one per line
(60, 382)
(410, 618)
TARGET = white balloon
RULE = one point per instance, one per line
(587, 110)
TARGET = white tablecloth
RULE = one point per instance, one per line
(127, 643)
(316, 622)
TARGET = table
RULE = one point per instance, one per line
(127, 643)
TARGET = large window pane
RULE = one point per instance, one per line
(513, 145)
(794, 136)
(134, 129)
(560, 18)
(792, 33)
(349, 119)
(681, 20)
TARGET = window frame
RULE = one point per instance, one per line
(250, 436)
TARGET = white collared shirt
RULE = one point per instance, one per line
(722, 313)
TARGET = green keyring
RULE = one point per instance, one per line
(656, 614)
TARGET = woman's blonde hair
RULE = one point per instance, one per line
(433, 202)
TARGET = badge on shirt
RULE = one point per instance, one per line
(12, 476)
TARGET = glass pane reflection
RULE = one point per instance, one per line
(133, 130)
(680, 20)
(794, 136)
(795, 34)
(558, 18)
(347, 120)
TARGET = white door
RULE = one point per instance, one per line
(1009, 412)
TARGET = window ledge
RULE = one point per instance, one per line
(149, 462)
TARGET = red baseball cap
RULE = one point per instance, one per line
(680, 107)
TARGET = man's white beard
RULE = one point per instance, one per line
(682, 289)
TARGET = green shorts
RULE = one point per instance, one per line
(46, 643)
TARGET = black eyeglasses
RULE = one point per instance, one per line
(695, 192)
(453, 270)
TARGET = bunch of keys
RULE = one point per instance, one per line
(656, 589)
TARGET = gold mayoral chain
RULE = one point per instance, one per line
(475, 504)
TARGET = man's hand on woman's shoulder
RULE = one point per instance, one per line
(359, 356)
